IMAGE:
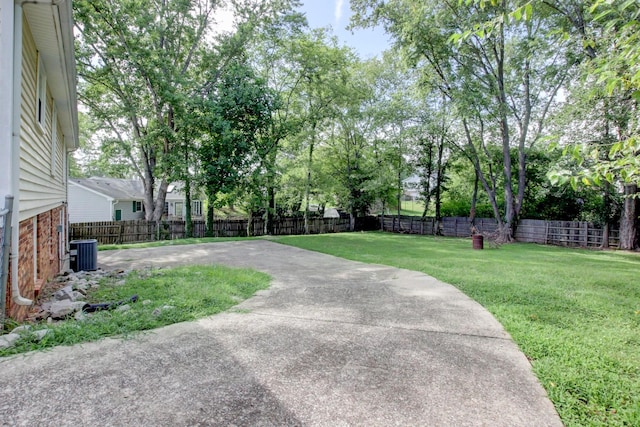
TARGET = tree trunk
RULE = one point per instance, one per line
(210, 203)
(399, 192)
(439, 178)
(426, 179)
(605, 237)
(606, 201)
(271, 210)
(160, 199)
(628, 235)
(474, 201)
(188, 221)
(307, 190)
(506, 229)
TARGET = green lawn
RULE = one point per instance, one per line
(574, 313)
(176, 242)
(165, 296)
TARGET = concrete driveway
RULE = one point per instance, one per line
(331, 343)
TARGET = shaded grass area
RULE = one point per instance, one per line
(574, 313)
(176, 242)
(166, 296)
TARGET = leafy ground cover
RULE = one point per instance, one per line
(172, 295)
(574, 313)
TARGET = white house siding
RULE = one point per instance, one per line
(88, 206)
(39, 191)
(6, 85)
(126, 208)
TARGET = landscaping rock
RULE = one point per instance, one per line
(41, 333)
(62, 309)
(81, 316)
(21, 329)
(9, 340)
(65, 293)
(125, 307)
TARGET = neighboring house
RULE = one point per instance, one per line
(38, 128)
(105, 199)
(411, 188)
(174, 206)
(111, 199)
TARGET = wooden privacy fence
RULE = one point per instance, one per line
(117, 232)
(449, 226)
(563, 233)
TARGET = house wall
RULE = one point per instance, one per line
(126, 206)
(173, 212)
(42, 153)
(42, 188)
(88, 206)
(41, 256)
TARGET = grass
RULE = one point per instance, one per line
(574, 313)
(176, 242)
(166, 296)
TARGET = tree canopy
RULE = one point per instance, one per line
(505, 108)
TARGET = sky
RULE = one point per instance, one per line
(336, 14)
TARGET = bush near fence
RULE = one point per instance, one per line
(563, 233)
(117, 232)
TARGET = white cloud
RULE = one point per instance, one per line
(338, 11)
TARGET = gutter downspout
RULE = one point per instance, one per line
(6, 238)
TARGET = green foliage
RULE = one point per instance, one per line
(574, 313)
(612, 76)
(497, 64)
(175, 295)
(463, 207)
(230, 117)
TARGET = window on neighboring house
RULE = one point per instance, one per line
(166, 209)
(41, 95)
(137, 206)
(178, 209)
(54, 140)
(196, 208)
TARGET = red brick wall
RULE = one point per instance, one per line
(47, 262)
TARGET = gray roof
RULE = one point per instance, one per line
(121, 189)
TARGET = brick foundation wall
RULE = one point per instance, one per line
(34, 270)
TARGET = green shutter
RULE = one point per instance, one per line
(134, 205)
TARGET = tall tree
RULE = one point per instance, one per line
(324, 75)
(610, 77)
(500, 80)
(231, 117)
(272, 54)
(140, 60)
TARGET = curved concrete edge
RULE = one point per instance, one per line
(332, 342)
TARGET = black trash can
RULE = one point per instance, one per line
(83, 255)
